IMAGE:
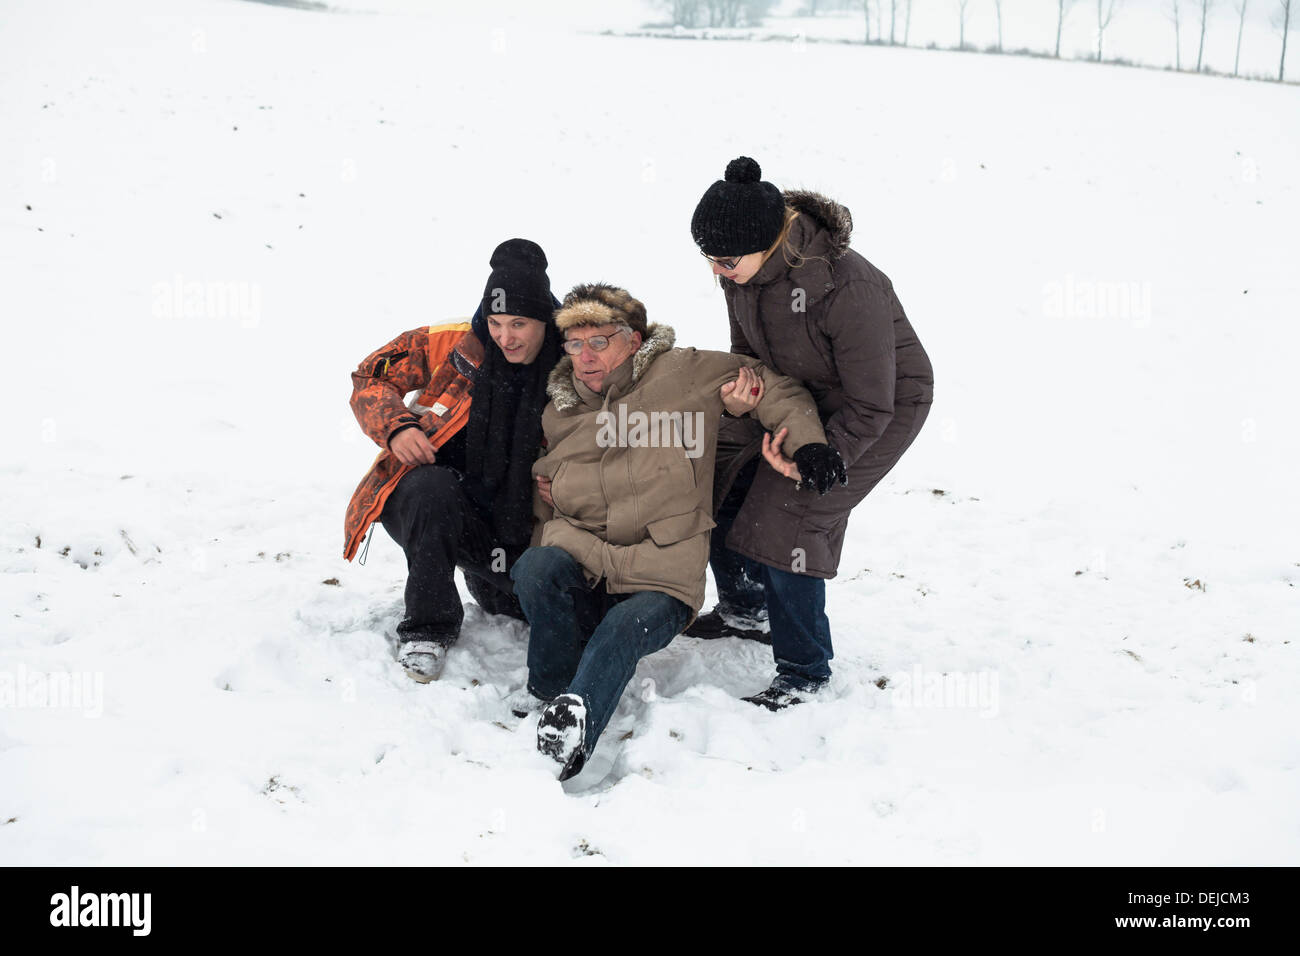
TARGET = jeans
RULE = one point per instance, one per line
(583, 640)
(795, 603)
(438, 527)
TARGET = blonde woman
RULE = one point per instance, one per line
(809, 307)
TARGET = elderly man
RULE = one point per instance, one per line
(626, 491)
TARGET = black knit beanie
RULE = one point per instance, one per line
(519, 284)
(740, 213)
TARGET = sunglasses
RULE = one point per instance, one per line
(728, 264)
(597, 343)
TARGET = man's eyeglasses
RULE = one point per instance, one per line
(727, 264)
(598, 343)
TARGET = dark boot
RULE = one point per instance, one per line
(785, 691)
(722, 622)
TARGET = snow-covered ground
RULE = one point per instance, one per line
(1093, 541)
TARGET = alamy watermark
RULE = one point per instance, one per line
(75, 908)
(977, 690)
(182, 299)
(1073, 298)
(64, 690)
(652, 430)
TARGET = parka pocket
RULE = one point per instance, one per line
(673, 560)
(662, 481)
(555, 492)
(668, 531)
(577, 492)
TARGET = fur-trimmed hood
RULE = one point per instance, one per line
(659, 339)
(830, 215)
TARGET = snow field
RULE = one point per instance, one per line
(1100, 262)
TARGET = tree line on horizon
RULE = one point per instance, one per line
(889, 22)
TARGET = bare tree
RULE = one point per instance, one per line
(866, 14)
(1240, 7)
(907, 23)
(1282, 19)
(1105, 13)
(735, 13)
(961, 17)
(1173, 13)
(893, 19)
(1062, 11)
(998, 5)
(685, 13)
(1206, 7)
(723, 13)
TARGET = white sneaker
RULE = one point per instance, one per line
(523, 702)
(422, 660)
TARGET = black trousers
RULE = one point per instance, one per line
(440, 529)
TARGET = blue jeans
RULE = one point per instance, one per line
(585, 641)
(795, 603)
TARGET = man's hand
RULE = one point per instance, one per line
(411, 446)
(544, 489)
(743, 395)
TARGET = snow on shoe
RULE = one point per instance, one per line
(561, 731)
(719, 623)
(522, 702)
(422, 660)
(785, 692)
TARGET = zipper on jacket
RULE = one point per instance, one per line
(381, 368)
(365, 549)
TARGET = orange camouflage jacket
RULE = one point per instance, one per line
(437, 363)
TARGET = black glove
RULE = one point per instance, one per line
(820, 467)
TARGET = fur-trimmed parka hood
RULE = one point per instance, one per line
(827, 213)
(659, 339)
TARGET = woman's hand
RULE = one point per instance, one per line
(820, 468)
(544, 489)
(743, 395)
(411, 446)
(823, 468)
(772, 452)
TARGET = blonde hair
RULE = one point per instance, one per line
(793, 257)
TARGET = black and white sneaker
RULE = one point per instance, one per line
(422, 660)
(561, 733)
(725, 623)
(786, 691)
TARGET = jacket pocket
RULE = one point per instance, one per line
(672, 560)
(668, 531)
(555, 481)
(662, 481)
(578, 493)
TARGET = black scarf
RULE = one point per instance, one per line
(503, 437)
